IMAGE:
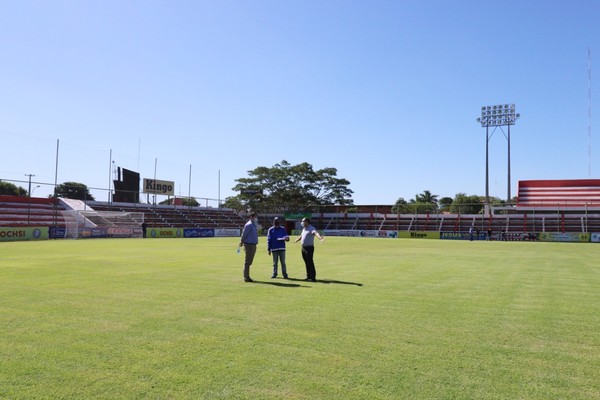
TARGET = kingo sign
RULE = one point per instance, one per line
(154, 186)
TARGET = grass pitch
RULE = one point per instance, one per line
(389, 319)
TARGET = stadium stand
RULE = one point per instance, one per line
(17, 211)
(171, 216)
(543, 206)
(559, 194)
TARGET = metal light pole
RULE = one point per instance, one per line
(487, 165)
(508, 196)
(499, 115)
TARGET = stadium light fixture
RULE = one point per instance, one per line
(494, 116)
(499, 115)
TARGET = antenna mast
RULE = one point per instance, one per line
(589, 113)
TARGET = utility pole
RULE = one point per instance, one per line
(29, 199)
(29, 190)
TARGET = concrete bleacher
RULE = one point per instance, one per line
(562, 194)
(509, 223)
(24, 211)
(18, 211)
(170, 216)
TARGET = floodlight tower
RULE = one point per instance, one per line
(499, 115)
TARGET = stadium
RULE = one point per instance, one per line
(162, 312)
(125, 274)
(548, 210)
(131, 299)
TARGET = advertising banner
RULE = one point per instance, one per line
(153, 186)
(23, 233)
(93, 233)
(378, 234)
(164, 233)
(595, 237)
(57, 233)
(563, 237)
(355, 233)
(293, 216)
(335, 232)
(227, 233)
(419, 235)
(372, 233)
(458, 236)
(198, 233)
(120, 232)
(389, 234)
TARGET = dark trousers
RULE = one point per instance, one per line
(307, 255)
(250, 252)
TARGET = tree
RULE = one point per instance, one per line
(426, 197)
(422, 208)
(401, 207)
(11, 189)
(497, 202)
(445, 203)
(290, 188)
(73, 190)
(463, 204)
(424, 203)
(235, 203)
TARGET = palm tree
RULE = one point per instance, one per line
(426, 197)
(425, 202)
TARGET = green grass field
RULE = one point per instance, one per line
(389, 319)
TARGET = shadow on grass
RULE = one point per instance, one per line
(339, 282)
(327, 281)
(280, 283)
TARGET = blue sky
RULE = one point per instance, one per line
(387, 92)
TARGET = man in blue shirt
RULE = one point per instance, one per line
(249, 240)
(276, 238)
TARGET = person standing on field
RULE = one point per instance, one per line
(307, 236)
(249, 240)
(276, 238)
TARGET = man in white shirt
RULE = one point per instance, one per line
(307, 236)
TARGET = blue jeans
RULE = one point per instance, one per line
(279, 255)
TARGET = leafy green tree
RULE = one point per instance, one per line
(290, 188)
(73, 190)
(463, 204)
(234, 203)
(497, 202)
(445, 203)
(422, 208)
(401, 207)
(425, 202)
(426, 197)
(11, 189)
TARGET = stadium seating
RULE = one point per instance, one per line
(22, 211)
(168, 216)
(17, 211)
(559, 194)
